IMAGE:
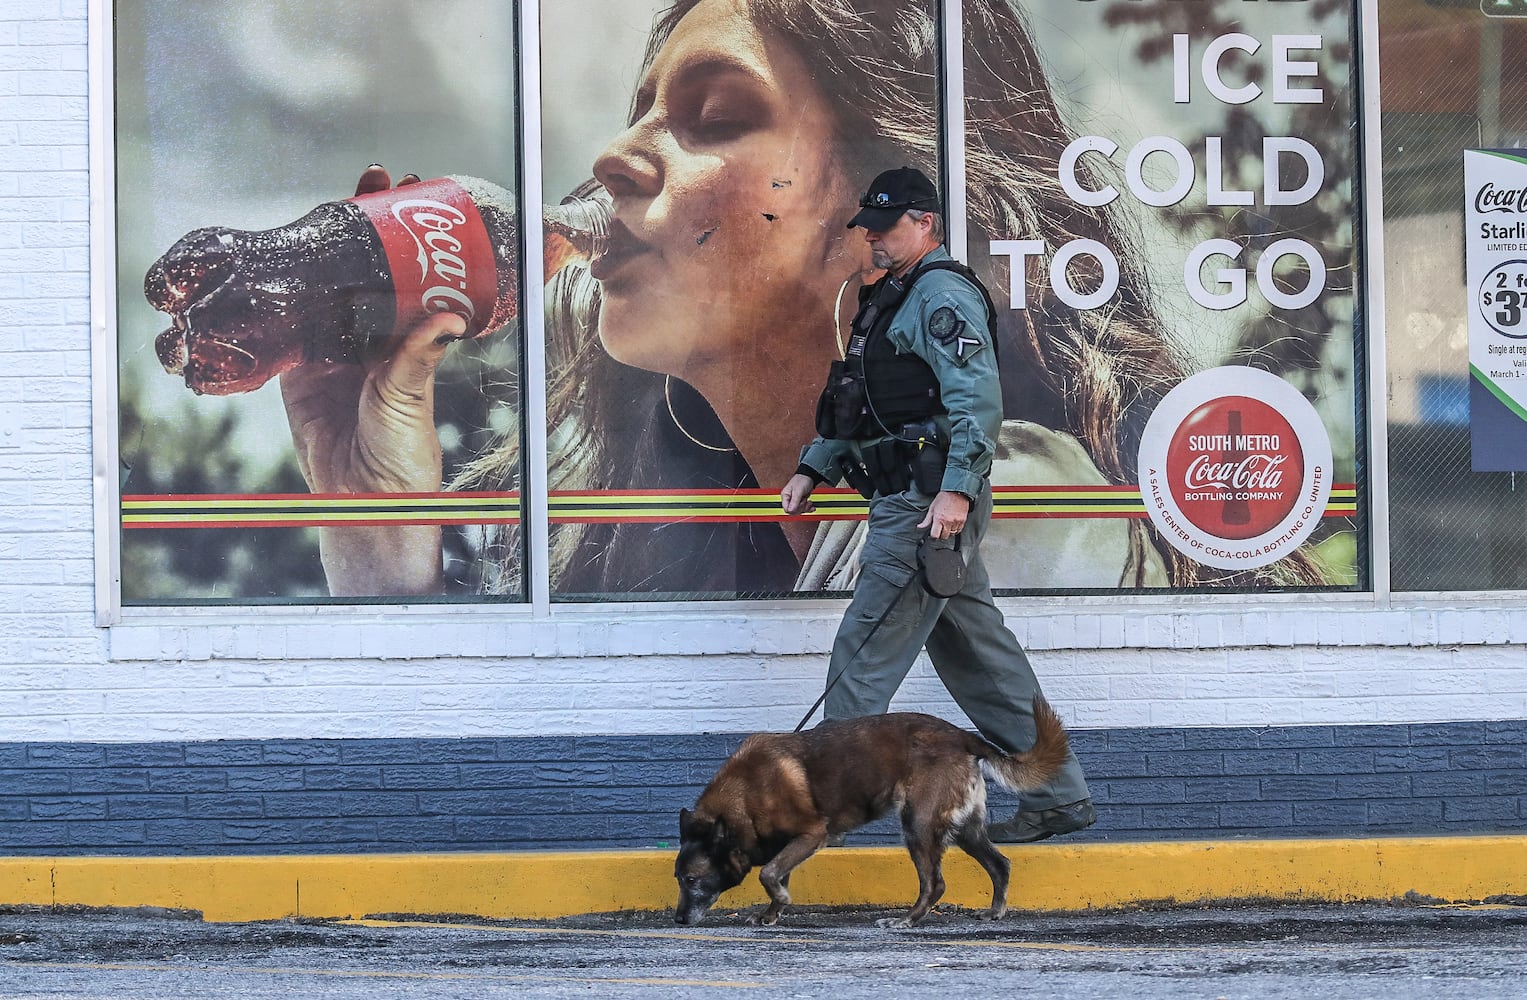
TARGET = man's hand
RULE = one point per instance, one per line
(796, 496)
(946, 514)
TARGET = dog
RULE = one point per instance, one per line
(781, 795)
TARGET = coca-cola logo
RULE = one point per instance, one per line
(430, 225)
(1235, 467)
(1490, 198)
(438, 251)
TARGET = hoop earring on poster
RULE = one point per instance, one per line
(668, 398)
(837, 310)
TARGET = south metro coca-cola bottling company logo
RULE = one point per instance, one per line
(438, 250)
(1238, 462)
(1235, 467)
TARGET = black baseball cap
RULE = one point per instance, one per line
(891, 194)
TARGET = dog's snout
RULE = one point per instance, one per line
(688, 914)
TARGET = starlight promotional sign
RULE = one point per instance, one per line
(1495, 214)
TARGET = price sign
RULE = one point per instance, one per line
(1503, 298)
(1495, 221)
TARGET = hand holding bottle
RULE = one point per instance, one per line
(370, 428)
(342, 283)
(352, 306)
(347, 280)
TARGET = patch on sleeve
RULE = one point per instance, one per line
(944, 324)
(958, 339)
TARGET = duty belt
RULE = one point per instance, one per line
(892, 464)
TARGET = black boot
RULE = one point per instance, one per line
(1027, 826)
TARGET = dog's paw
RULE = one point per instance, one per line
(764, 919)
(894, 923)
(992, 914)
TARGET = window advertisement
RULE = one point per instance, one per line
(1161, 198)
(1159, 195)
(317, 293)
(1454, 116)
(728, 143)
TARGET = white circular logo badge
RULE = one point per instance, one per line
(1235, 467)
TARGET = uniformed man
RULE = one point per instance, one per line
(909, 418)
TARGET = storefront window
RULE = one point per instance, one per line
(735, 140)
(691, 385)
(238, 340)
(1174, 197)
(1453, 81)
(1161, 198)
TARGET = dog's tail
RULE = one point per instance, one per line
(1036, 766)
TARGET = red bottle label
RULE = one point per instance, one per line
(438, 250)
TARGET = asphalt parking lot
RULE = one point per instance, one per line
(1408, 949)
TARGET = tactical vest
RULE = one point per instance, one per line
(874, 389)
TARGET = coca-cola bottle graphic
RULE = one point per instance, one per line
(1235, 511)
(342, 282)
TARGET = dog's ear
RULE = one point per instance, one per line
(727, 852)
(694, 828)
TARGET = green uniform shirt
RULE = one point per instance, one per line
(943, 321)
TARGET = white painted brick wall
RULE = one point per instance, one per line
(46, 544)
(394, 672)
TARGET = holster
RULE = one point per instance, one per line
(856, 476)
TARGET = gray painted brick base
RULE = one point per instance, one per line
(354, 796)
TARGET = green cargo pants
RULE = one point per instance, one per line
(975, 654)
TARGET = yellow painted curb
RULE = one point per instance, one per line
(532, 885)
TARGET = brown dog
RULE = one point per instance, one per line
(781, 795)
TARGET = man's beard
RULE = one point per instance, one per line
(881, 259)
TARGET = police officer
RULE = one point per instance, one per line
(910, 418)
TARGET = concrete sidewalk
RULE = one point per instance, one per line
(1050, 876)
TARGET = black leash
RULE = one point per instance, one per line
(839, 675)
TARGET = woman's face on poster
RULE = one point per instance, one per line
(729, 204)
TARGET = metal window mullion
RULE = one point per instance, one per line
(953, 58)
(1371, 238)
(535, 509)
